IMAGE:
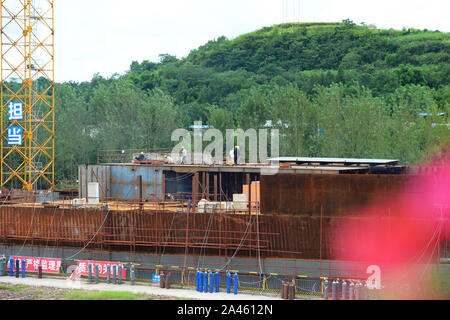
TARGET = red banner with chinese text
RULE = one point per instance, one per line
(49, 265)
(83, 267)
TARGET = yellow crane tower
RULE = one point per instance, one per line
(27, 94)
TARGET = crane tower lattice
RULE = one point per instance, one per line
(27, 94)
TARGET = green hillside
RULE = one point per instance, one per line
(333, 89)
(306, 55)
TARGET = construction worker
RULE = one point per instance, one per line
(236, 154)
(141, 157)
(168, 159)
(183, 155)
(230, 159)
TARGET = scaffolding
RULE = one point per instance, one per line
(27, 94)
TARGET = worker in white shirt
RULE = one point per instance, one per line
(168, 159)
(183, 155)
(231, 156)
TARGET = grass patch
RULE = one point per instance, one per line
(14, 288)
(104, 295)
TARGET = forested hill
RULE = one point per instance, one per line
(306, 55)
(333, 89)
(292, 48)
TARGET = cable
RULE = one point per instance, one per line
(28, 232)
(257, 235)
(204, 241)
(6, 198)
(434, 249)
(95, 235)
(239, 246)
(168, 233)
(428, 244)
(51, 224)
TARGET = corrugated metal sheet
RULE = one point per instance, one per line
(124, 182)
(121, 182)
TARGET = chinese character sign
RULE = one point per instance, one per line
(83, 268)
(15, 111)
(15, 136)
(49, 265)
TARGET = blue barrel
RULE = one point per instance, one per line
(23, 267)
(211, 282)
(235, 282)
(228, 282)
(217, 281)
(205, 281)
(11, 267)
(200, 281)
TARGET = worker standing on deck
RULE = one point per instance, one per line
(236, 155)
(183, 155)
(230, 160)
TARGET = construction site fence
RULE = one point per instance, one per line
(271, 284)
(251, 283)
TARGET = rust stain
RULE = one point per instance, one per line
(306, 193)
(280, 235)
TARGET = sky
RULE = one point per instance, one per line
(105, 36)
